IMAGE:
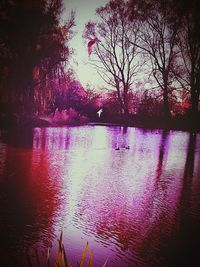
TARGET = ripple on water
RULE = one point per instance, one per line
(134, 206)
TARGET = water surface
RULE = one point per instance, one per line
(133, 194)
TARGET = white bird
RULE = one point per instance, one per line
(99, 112)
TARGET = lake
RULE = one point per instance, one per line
(133, 194)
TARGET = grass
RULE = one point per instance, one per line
(61, 258)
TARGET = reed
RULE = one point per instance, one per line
(61, 258)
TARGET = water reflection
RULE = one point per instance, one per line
(133, 205)
(162, 150)
(51, 138)
(28, 206)
(188, 207)
(17, 137)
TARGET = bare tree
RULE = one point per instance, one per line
(188, 74)
(158, 41)
(115, 58)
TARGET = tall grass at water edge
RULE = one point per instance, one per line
(61, 258)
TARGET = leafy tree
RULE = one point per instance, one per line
(33, 46)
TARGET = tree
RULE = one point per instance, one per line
(34, 45)
(90, 103)
(158, 41)
(188, 74)
(116, 58)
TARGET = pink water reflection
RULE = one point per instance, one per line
(125, 200)
(132, 205)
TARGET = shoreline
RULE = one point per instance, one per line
(44, 124)
(176, 124)
(143, 126)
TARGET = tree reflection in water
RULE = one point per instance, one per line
(188, 225)
(136, 207)
(30, 199)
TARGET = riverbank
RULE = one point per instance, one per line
(181, 123)
(58, 118)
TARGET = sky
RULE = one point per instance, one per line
(85, 11)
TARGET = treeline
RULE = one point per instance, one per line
(35, 78)
(157, 41)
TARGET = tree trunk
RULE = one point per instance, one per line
(29, 96)
(119, 98)
(167, 114)
(125, 100)
(166, 108)
(194, 102)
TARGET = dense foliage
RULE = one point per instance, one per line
(33, 50)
